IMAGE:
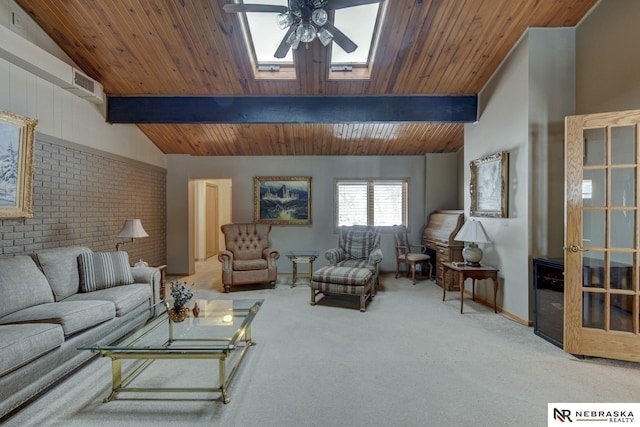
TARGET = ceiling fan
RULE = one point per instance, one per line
(305, 20)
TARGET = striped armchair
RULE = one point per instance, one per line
(358, 246)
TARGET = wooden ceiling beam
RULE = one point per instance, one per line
(293, 109)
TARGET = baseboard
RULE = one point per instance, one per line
(489, 303)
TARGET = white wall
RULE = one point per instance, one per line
(319, 236)
(441, 186)
(521, 111)
(551, 98)
(607, 60)
(60, 113)
(503, 126)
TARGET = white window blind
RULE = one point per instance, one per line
(381, 203)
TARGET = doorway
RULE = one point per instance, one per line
(212, 208)
(211, 220)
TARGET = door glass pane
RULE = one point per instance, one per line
(623, 187)
(593, 270)
(623, 144)
(593, 310)
(594, 146)
(596, 181)
(593, 228)
(622, 229)
(622, 312)
(621, 270)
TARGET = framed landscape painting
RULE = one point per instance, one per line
(282, 199)
(488, 187)
(17, 139)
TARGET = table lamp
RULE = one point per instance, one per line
(472, 232)
(132, 229)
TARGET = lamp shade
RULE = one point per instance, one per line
(472, 231)
(133, 229)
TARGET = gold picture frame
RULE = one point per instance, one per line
(283, 200)
(17, 141)
(488, 187)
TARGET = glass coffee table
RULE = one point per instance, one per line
(222, 331)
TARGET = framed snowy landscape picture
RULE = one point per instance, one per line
(284, 200)
(17, 139)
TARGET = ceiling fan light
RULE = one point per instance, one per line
(325, 36)
(284, 20)
(320, 17)
(306, 32)
(293, 40)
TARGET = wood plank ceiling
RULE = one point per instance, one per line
(192, 47)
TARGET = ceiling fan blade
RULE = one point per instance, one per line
(341, 4)
(284, 47)
(238, 7)
(338, 36)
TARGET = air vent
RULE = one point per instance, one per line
(343, 68)
(84, 82)
(268, 68)
(85, 87)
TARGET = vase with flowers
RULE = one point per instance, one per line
(181, 295)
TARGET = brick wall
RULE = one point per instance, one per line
(82, 196)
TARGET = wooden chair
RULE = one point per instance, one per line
(404, 255)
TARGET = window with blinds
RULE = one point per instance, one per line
(381, 203)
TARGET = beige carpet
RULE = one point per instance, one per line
(410, 360)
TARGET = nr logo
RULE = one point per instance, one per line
(562, 415)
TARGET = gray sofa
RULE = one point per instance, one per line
(56, 300)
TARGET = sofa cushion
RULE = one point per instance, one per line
(22, 284)
(101, 270)
(343, 275)
(357, 244)
(60, 266)
(126, 298)
(20, 344)
(73, 316)
(357, 263)
(250, 264)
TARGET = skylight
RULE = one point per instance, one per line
(358, 23)
(264, 36)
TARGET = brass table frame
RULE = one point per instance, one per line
(302, 257)
(241, 340)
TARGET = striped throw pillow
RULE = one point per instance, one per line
(101, 270)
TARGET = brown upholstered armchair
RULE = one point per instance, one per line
(248, 257)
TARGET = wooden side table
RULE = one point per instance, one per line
(474, 273)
